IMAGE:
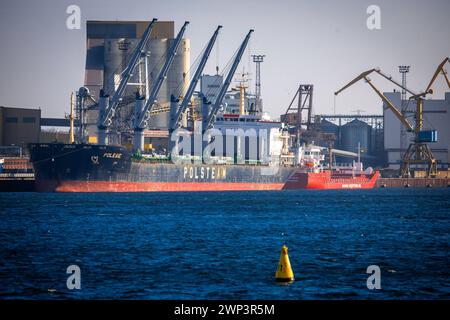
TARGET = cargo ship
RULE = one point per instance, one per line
(105, 167)
(99, 168)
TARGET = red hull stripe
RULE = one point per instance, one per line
(123, 186)
(297, 181)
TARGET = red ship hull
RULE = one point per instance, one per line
(299, 180)
(124, 186)
(331, 180)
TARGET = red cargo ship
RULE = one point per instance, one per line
(314, 176)
(331, 180)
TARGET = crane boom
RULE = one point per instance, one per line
(396, 112)
(446, 78)
(361, 76)
(389, 104)
(377, 70)
(418, 152)
(439, 69)
(108, 112)
(139, 125)
(227, 82)
(193, 84)
(394, 82)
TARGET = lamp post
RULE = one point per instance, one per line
(403, 70)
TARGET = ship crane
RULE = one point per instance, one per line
(107, 106)
(177, 112)
(418, 151)
(211, 115)
(143, 109)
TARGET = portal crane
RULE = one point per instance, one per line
(143, 109)
(418, 151)
(440, 69)
(107, 107)
(210, 116)
(177, 112)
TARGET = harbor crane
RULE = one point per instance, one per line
(176, 112)
(211, 114)
(143, 108)
(418, 152)
(440, 69)
(107, 106)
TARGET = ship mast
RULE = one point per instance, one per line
(242, 87)
(71, 119)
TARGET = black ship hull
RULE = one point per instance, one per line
(94, 168)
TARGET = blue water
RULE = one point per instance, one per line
(226, 245)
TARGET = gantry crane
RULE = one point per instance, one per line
(107, 106)
(143, 108)
(305, 103)
(210, 116)
(418, 151)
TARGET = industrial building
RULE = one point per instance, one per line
(19, 126)
(363, 133)
(109, 44)
(436, 117)
(354, 133)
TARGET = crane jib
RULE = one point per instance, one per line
(158, 83)
(196, 77)
(127, 74)
(227, 82)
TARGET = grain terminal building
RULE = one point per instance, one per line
(109, 44)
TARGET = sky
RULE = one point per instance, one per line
(324, 43)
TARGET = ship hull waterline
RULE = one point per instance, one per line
(92, 168)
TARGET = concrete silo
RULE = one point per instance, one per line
(116, 52)
(177, 79)
(109, 44)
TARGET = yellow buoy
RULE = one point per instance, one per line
(284, 272)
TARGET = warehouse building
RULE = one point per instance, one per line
(19, 126)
